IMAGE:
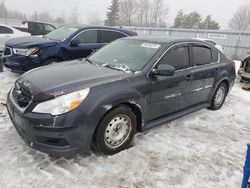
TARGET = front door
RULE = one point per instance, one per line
(88, 43)
(169, 93)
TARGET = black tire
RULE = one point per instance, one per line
(100, 139)
(50, 61)
(215, 105)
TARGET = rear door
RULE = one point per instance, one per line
(169, 94)
(205, 67)
(88, 40)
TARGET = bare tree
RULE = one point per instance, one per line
(143, 12)
(158, 13)
(241, 19)
(127, 11)
(94, 19)
(73, 18)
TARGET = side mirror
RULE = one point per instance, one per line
(163, 70)
(75, 43)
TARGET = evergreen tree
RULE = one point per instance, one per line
(179, 19)
(208, 23)
(112, 15)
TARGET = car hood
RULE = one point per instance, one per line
(30, 42)
(55, 80)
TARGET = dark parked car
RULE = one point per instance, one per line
(244, 73)
(35, 28)
(130, 85)
(64, 43)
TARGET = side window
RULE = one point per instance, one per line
(201, 55)
(5, 30)
(177, 57)
(87, 37)
(215, 55)
(48, 28)
(36, 28)
(108, 36)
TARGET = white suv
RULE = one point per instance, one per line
(7, 32)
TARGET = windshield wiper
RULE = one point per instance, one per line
(108, 66)
(89, 61)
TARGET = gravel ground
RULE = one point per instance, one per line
(204, 149)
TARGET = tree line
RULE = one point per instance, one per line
(153, 13)
(142, 13)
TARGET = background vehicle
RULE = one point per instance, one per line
(244, 73)
(139, 82)
(7, 32)
(212, 42)
(64, 43)
(35, 28)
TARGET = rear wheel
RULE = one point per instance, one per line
(116, 131)
(219, 96)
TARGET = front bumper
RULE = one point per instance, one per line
(62, 135)
(18, 63)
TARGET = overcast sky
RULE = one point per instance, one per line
(221, 10)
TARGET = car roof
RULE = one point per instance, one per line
(82, 27)
(163, 40)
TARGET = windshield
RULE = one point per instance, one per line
(61, 33)
(125, 55)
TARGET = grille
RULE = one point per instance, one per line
(7, 51)
(21, 95)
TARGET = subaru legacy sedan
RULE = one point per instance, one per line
(130, 85)
(64, 43)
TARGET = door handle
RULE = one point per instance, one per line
(188, 77)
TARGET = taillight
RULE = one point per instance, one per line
(234, 66)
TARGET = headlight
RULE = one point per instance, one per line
(62, 104)
(32, 52)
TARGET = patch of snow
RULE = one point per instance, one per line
(203, 149)
(107, 107)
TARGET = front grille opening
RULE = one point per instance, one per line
(21, 95)
(53, 141)
(7, 51)
(247, 66)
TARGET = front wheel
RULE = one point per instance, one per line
(219, 96)
(116, 131)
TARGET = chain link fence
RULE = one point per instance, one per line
(236, 44)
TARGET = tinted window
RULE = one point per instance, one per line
(87, 37)
(177, 57)
(36, 28)
(215, 55)
(5, 30)
(201, 55)
(109, 36)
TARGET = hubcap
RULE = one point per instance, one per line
(117, 131)
(219, 97)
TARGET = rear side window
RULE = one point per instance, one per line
(201, 55)
(215, 55)
(109, 36)
(87, 37)
(36, 28)
(177, 57)
(5, 30)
